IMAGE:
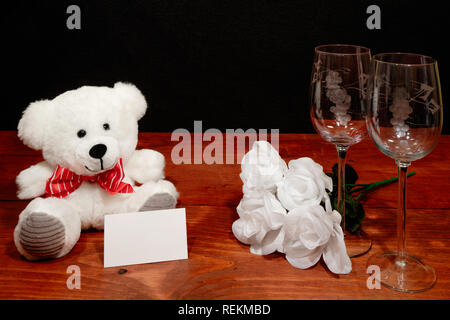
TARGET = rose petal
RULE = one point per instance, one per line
(273, 241)
(249, 204)
(306, 261)
(238, 231)
(275, 213)
(335, 253)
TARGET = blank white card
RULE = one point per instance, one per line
(144, 237)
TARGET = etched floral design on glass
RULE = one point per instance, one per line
(338, 95)
(400, 112)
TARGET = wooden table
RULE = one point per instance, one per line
(219, 266)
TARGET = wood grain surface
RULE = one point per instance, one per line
(219, 266)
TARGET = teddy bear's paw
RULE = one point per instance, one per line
(42, 236)
(159, 201)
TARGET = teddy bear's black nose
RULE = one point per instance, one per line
(98, 151)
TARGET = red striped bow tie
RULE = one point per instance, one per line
(63, 181)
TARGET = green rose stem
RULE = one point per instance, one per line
(364, 188)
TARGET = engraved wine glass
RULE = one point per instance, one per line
(405, 121)
(338, 96)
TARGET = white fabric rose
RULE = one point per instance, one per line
(304, 184)
(262, 168)
(309, 233)
(259, 223)
(306, 233)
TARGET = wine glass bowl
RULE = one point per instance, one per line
(404, 119)
(338, 92)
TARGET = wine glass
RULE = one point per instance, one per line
(338, 96)
(405, 121)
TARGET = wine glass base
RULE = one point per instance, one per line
(405, 274)
(357, 244)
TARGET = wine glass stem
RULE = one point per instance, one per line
(342, 158)
(401, 216)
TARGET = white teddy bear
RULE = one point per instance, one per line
(88, 139)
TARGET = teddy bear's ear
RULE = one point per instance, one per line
(133, 98)
(33, 123)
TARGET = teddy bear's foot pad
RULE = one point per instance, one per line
(159, 201)
(42, 235)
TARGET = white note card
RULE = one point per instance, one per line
(144, 237)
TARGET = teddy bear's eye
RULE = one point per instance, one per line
(106, 126)
(81, 133)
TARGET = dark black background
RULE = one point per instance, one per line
(232, 64)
